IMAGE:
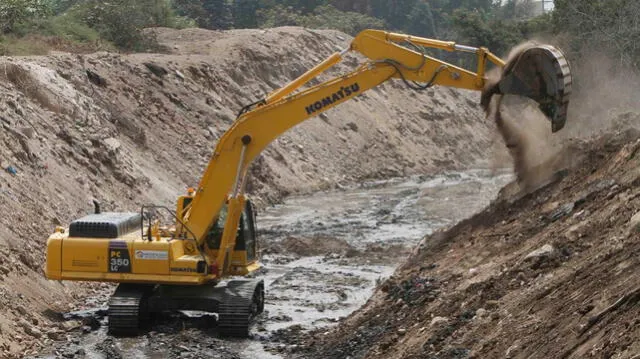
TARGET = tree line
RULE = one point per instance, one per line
(498, 24)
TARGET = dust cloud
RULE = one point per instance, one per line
(604, 100)
(605, 97)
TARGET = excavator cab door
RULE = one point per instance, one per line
(245, 236)
(247, 239)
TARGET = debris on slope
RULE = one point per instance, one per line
(139, 128)
(551, 274)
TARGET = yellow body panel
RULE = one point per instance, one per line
(160, 261)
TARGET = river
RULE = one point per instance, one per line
(323, 255)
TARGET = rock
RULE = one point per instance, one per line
(53, 334)
(212, 132)
(510, 353)
(352, 126)
(156, 69)
(112, 144)
(576, 231)
(96, 79)
(634, 223)
(561, 212)
(70, 325)
(4, 270)
(21, 309)
(481, 313)
(29, 132)
(439, 320)
(29, 328)
(402, 331)
(545, 251)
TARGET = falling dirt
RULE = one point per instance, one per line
(523, 128)
(528, 140)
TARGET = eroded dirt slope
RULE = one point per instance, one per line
(133, 129)
(552, 274)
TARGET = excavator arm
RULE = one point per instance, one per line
(540, 73)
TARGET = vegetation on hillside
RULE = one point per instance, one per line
(93, 24)
(30, 26)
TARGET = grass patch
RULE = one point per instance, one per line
(59, 33)
(21, 46)
(66, 27)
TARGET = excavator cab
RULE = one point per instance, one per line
(246, 247)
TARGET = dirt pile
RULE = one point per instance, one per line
(551, 274)
(133, 129)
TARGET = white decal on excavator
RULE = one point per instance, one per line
(152, 255)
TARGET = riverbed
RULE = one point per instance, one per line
(323, 255)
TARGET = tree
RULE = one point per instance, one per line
(516, 9)
(328, 17)
(14, 12)
(220, 14)
(245, 14)
(122, 21)
(477, 28)
(193, 9)
(610, 27)
(421, 21)
(394, 12)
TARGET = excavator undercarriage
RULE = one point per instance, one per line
(237, 303)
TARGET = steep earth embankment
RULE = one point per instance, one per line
(133, 129)
(549, 274)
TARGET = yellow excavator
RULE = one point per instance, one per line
(188, 263)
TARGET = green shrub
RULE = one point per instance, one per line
(323, 17)
(328, 17)
(69, 28)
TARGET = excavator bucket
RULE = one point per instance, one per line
(541, 73)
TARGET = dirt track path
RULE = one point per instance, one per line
(323, 255)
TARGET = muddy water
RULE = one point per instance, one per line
(323, 255)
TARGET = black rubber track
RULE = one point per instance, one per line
(127, 309)
(241, 303)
